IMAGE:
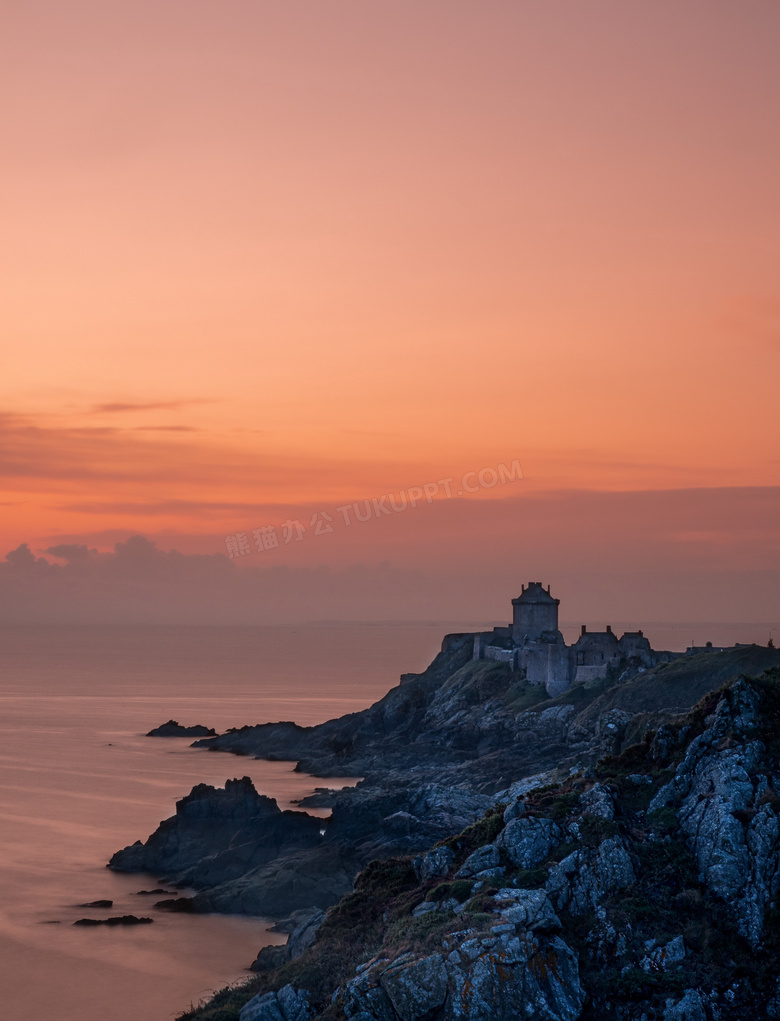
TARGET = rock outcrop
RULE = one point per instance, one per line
(503, 975)
(642, 888)
(724, 795)
(174, 729)
(245, 856)
(477, 723)
(219, 831)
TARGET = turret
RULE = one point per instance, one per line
(534, 611)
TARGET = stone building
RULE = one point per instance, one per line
(534, 645)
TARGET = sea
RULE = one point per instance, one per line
(79, 780)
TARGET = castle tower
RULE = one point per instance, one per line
(533, 612)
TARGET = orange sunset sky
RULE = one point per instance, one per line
(261, 259)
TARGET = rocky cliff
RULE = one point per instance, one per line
(642, 887)
(478, 724)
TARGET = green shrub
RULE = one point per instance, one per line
(439, 893)
(664, 821)
(483, 831)
(593, 830)
(528, 879)
(461, 889)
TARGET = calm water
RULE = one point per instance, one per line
(78, 780)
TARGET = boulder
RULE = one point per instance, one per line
(435, 863)
(528, 909)
(689, 1008)
(287, 1005)
(578, 883)
(415, 987)
(486, 857)
(529, 841)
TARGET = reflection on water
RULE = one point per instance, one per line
(78, 780)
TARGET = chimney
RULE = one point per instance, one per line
(609, 629)
(584, 630)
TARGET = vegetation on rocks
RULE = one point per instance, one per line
(604, 902)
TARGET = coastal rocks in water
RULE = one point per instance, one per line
(245, 856)
(246, 827)
(178, 904)
(174, 729)
(115, 920)
(97, 904)
(500, 976)
(305, 926)
(316, 878)
(287, 1005)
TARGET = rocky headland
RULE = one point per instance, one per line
(611, 853)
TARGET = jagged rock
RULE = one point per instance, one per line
(485, 857)
(287, 1005)
(174, 729)
(610, 730)
(304, 934)
(435, 863)
(425, 908)
(529, 909)
(514, 794)
(579, 881)
(498, 978)
(665, 957)
(717, 790)
(773, 1006)
(269, 957)
(301, 937)
(598, 802)
(495, 873)
(663, 743)
(416, 987)
(247, 827)
(689, 1008)
(529, 841)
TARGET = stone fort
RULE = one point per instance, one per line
(534, 645)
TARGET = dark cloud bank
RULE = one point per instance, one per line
(658, 556)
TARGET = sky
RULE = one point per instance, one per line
(261, 261)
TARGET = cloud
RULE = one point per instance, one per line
(71, 552)
(166, 428)
(118, 407)
(646, 556)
